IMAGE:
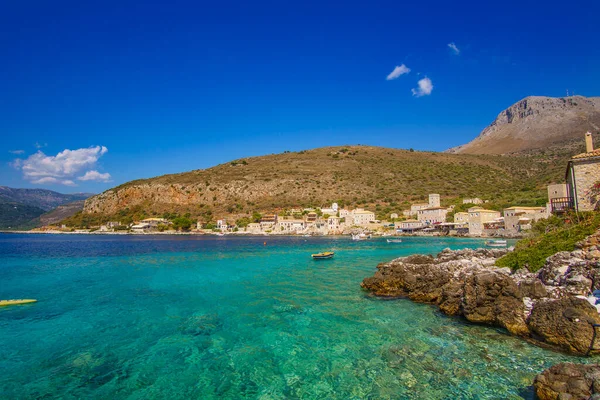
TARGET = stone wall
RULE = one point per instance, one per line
(587, 172)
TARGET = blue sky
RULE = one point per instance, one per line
(94, 95)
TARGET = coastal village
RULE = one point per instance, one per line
(431, 218)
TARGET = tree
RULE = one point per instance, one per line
(243, 222)
(256, 216)
(182, 223)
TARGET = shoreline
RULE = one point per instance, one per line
(238, 234)
(553, 307)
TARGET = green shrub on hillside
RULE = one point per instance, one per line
(531, 253)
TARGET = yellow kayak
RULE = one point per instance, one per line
(15, 302)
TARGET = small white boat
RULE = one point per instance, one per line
(394, 240)
(362, 236)
(496, 243)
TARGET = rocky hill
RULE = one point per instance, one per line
(61, 212)
(385, 180)
(536, 122)
(21, 208)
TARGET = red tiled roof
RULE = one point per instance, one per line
(595, 153)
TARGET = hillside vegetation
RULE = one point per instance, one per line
(18, 216)
(382, 179)
(549, 237)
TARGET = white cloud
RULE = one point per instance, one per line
(16, 151)
(424, 89)
(62, 168)
(454, 48)
(39, 145)
(50, 180)
(94, 175)
(398, 72)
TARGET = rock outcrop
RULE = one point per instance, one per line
(567, 381)
(550, 307)
(536, 122)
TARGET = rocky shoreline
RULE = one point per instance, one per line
(567, 381)
(552, 307)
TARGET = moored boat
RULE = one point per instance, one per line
(323, 255)
(496, 243)
(16, 302)
(394, 240)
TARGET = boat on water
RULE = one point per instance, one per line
(360, 236)
(322, 256)
(16, 302)
(394, 240)
(496, 243)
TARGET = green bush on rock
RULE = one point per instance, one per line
(563, 235)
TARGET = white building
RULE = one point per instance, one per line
(333, 223)
(409, 225)
(222, 224)
(362, 217)
(140, 228)
(290, 225)
(333, 210)
(474, 200)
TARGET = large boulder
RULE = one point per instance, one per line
(494, 298)
(566, 323)
(568, 381)
(576, 272)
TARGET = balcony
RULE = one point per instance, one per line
(562, 204)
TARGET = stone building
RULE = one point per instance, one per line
(517, 219)
(478, 216)
(558, 198)
(362, 217)
(432, 215)
(461, 218)
(583, 171)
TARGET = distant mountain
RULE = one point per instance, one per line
(45, 199)
(21, 208)
(535, 123)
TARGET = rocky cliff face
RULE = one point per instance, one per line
(536, 122)
(550, 307)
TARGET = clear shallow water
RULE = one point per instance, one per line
(194, 317)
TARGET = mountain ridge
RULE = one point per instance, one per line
(534, 123)
(383, 179)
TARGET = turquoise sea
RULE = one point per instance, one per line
(183, 317)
